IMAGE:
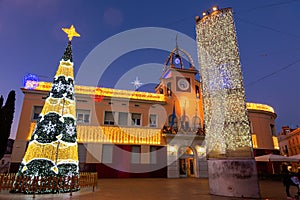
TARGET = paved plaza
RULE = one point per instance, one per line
(153, 189)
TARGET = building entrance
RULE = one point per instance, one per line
(186, 162)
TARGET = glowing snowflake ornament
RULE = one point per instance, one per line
(137, 83)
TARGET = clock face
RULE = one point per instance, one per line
(177, 61)
(183, 84)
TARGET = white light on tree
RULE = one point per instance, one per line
(226, 119)
(52, 150)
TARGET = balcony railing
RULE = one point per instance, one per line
(175, 130)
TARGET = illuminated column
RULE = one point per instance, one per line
(229, 148)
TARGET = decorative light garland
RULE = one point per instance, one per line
(52, 150)
(226, 119)
(254, 140)
(275, 142)
(107, 92)
(115, 135)
(260, 107)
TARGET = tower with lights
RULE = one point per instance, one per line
(183, 129)
(232, 169)
(52, 150)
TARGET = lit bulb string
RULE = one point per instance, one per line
(58, 142)
(265, 27)
(252, 9)
(261, 26)
(273, 73)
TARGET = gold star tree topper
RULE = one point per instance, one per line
(71, 32)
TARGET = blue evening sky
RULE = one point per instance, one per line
(268, 32)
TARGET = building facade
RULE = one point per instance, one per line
(125, 133)
(130, 133)
(289, 141)
(262, 122)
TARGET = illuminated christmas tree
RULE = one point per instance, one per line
(53, 150)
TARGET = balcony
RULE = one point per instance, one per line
(190, 131)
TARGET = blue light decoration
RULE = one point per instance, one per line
(167, 74)
(224, 71)
(226, 120)
(30, 81)
(173, 116)
(177, 61)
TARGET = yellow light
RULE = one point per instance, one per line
(108, 92)
(36, 150)
(71, 32)
(202, 150)
(215, 8)
(65, 69)
(204, 13)
(115, 135)
(226, 119)
(261, 107)
(275, 142)
(254, 141)
(31, 129)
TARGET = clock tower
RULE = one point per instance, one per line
(184, 127)
(183, 91)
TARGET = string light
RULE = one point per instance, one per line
(107, 92)
(111, 134)
(260, 107)
(53, 149)
(226, 119)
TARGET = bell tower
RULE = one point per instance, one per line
(184, 128)
(179, 84)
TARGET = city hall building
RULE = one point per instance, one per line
(124, 133)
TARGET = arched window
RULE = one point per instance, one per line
(184, 123)
(161, 91)
(169, 90)
(175, 121)
(197, 90)
(196, 123)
